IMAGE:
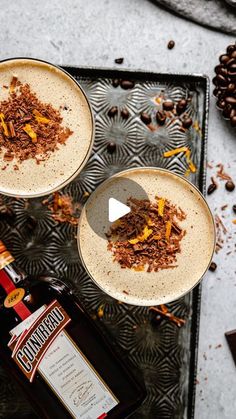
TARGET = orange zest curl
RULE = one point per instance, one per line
(141, 237)
(29, 130)
(40, 118)
(191, 165)
(161, 205)
(174, 151)
(168, 229)
(4, 125)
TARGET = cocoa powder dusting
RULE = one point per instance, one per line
(28, 127)
(148, 238)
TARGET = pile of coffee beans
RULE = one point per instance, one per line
(177, 111)
(225, 84)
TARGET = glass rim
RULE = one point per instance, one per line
(169, 172)
(88, 153)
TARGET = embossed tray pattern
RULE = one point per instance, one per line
(159, 353)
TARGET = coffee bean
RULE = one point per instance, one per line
(233, 67)
(111, 147)
(125, 113)
(224, 58)
(223, 72)
(218, 68)
(212, 266)
(181, 106)
(231, 75)
(227, 111)
(231, 49)
(215, 81)
(233, 120)
(233, 55)
(112, 112)
(229, 185)
(171, 44)
(127, 84)
(221, 103)
(168, 105)
(221, 80)
(216, 92)
(160, 117)
(231, 100)
(115, 82)
(231, 62)
(231, 87)
(234, 208)
(233, 113)
(119, 60)
(187, 122)
(211, 188)
(145, 118)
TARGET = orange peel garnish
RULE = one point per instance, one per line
(168, 229)
(175, 151)
(138, 268)
(4, 125)
(141, 237)
(161, 205)
(191, 165)
(40, 118)
(29, 130)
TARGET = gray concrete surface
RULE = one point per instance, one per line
(93, 33)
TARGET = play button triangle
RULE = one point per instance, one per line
(116, 209)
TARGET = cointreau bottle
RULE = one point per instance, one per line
(54, 350)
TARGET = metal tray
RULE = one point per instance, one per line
(160, 353)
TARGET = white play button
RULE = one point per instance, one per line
(116, 209)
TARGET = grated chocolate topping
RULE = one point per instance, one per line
(28, 127)
(148, 238)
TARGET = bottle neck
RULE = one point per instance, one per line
(8, 265)
(11, 293)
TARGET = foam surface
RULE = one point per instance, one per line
(156, 287)
(51, 85)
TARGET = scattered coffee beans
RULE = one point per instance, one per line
(171, 44)
(119, 60)
(187, 122)
(112, 112)
(111, 147)
(211, 188)
(229, 185)
(168, 105)
(160, 117)
(125, 113)
(181, 106)
(145, 118)
(127, 84)
(234, 208)
(115, 82)
(212, 266)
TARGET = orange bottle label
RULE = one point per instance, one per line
(5, 257)
(14, 297)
